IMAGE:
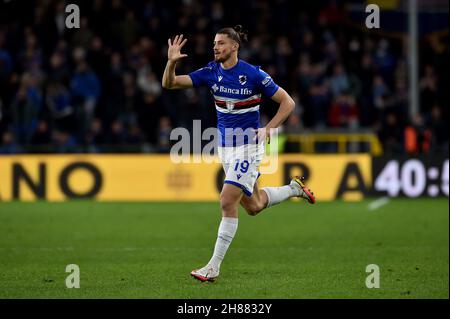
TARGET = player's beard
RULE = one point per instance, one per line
(222, 57)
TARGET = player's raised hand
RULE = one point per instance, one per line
(174, 52)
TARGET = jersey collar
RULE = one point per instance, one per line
(232, 68)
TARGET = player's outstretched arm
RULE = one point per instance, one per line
(170, 80)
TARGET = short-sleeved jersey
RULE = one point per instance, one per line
(237, 96)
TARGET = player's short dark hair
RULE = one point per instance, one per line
(237, 33)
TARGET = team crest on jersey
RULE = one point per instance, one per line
(242, 79)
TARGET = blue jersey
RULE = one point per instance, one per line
(237, 97)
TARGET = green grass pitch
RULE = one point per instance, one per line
(293, 250)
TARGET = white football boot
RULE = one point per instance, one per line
(304, 191)
(207, 273)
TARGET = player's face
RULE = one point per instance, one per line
(224, 47)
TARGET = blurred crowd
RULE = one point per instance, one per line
(98, 88)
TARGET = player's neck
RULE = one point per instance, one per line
(228, 64)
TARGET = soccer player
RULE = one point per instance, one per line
(237, 87)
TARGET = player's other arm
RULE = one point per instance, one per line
(286, 107)
(170, 80)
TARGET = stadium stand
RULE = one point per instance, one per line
(98, 88)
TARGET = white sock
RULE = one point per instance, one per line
(276, 195)
(227, 229)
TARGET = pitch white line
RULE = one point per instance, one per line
(378, 203)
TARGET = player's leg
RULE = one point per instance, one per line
(229, 201)
(269, 196)
(296, 188)
(255, 203)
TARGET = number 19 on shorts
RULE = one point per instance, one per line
(242, 166)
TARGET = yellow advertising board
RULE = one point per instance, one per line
(158, 178)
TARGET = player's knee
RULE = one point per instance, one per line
(253, 209)
(227, 204)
